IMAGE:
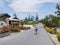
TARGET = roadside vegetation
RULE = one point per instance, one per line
(52, 21)
(58, 35)
(50, 30)
(30, 20)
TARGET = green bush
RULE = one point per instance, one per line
(24, 28)
(50, 30)
(58, 36)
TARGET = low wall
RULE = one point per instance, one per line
(58, 29)
(28, 26)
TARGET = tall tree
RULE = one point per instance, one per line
(15, 16)
(29, 17)
(26, 20)
(32, 18)
(58, 10)
(37, 17)
(58, 13)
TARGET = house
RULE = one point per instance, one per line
(4, 23)
(4, 16)
(14, 23)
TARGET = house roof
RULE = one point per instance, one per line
(1, 15)
(14, 19)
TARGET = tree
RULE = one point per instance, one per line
(32, 17)
(22, 23)
(1, 19)
(52, 20)
(29, 17)
(26, 20)
(59, 22)
(37, 17)
(58, 10)
(45, 20)
(58, 14)
(15, 16)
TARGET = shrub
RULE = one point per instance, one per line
(58, 36)
(50, 30)
(46, 28)
(1, 31)
(14, 28)
(6, 28)
(24, 28)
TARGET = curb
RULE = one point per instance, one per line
(51, 39)
(4, 34)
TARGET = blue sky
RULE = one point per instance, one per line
(23, 8)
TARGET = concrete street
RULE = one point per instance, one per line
(28, 37)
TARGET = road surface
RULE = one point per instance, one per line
(28, 38)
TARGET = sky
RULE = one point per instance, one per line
(22, 8)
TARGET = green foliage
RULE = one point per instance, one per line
(22, 23)
(45, 20)
(58, 10)
(24, 28)
(26, 20)
(59, 22)
(1, 19)
(37, 18)
(58, 36)
(52, 20)
(50, 30)
(14, 27)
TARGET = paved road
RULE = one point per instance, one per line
(28, 38)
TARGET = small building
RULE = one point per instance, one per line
(14, 23)
(4, 22)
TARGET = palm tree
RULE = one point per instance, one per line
(37, 17)
(58, 10)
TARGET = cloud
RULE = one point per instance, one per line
(43, 1)
(24, 5)
(8, 1)
(1, 2)
(28, 5)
